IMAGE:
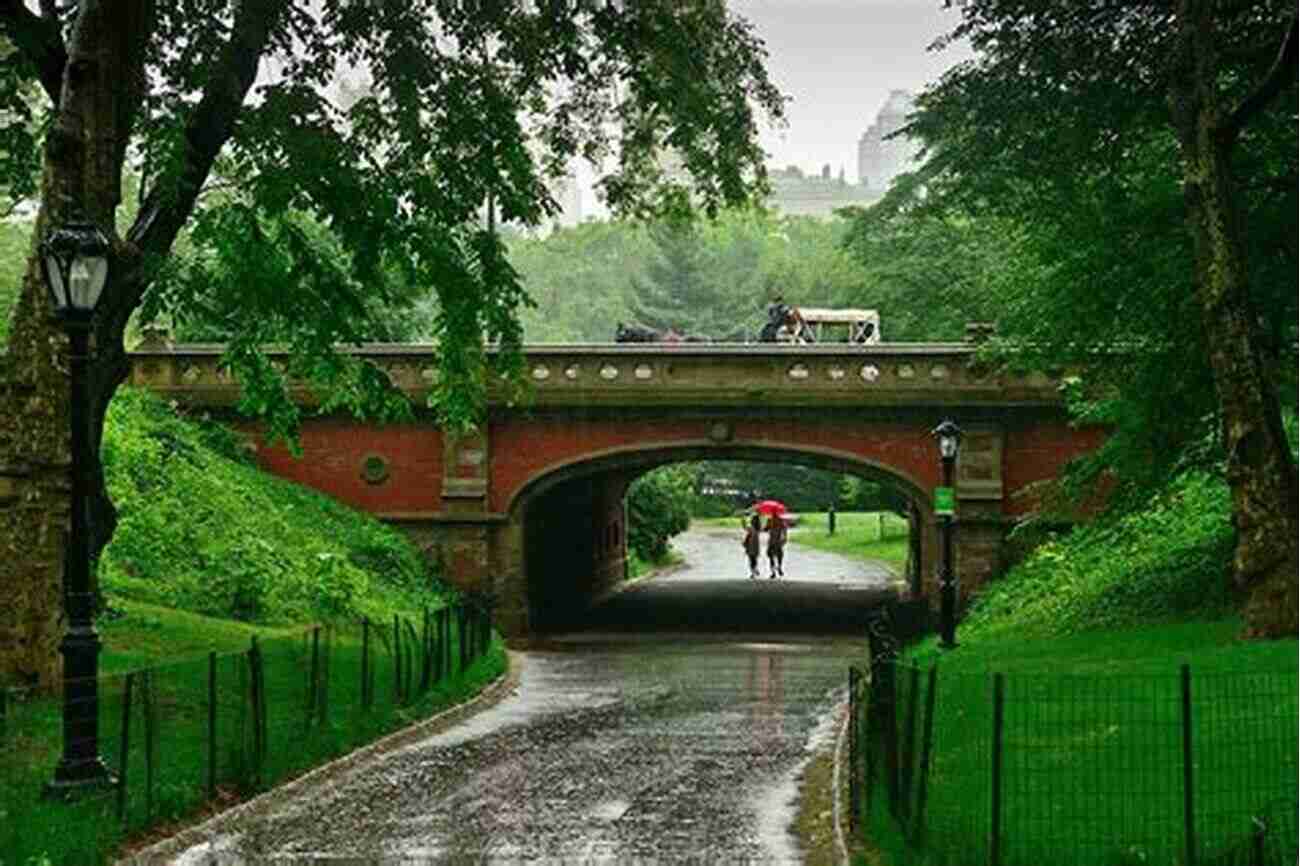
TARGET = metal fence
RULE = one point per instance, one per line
(985, 768)
(213, 729)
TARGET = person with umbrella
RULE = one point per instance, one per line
(750, 543)
(776, 536)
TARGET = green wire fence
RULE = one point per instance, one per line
(213, 729)
(1188, 768)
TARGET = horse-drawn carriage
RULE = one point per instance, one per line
(788, 324)
(785, 324)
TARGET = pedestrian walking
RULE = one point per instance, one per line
(750, 543)
(776, 532)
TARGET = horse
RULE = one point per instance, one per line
(781, 315)
(642, 334)
(635, 334)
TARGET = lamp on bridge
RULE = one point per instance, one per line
(74, 259)
(949, 436)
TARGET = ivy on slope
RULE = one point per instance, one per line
(201, 529)
(1171, 560)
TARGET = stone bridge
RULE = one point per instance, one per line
(531, 507)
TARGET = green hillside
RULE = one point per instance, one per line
(202, 530)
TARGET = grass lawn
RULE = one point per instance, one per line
(879, 536)
(147, 634)
(1092, 746)
(302, 726)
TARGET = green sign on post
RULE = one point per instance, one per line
(944, 502)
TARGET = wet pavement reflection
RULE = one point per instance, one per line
(615, 747)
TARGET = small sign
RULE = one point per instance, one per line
(944, 502)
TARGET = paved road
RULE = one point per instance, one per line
(821, 592)
(613, 747)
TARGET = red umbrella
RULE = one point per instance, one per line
(769, 506)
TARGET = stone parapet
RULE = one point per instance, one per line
(713, 374)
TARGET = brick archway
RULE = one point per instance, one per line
(567, 523)
(599, 414)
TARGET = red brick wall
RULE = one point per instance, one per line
(521, 451)
(1040, 452)
(334, 450)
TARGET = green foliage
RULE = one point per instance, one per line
(928, 273)
(801, 488)
(657, 509)
(455, 114)
(707, 277)
(1052, 205)
(15, 244)
(202, 530)
(1169, 560)
(879, 536)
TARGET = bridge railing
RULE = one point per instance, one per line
(901, 373)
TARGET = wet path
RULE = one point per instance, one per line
(821, 592)
(614, 748)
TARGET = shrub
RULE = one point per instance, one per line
(658, 507)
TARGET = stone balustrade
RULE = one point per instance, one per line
(719, 374)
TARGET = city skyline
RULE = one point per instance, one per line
(838, 60)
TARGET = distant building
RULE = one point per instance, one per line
(881, 160)
(568, 195)
(797, 194)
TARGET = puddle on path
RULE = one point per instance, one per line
(607, 753)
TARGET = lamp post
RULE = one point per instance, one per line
(949, 436)
(74, 259)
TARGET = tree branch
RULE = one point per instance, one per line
(166, 210)
(1279, 75)
(40, 41)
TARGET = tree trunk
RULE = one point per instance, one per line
(81, 179)
(1261, 471)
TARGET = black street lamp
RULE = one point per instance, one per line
(74, 259)
(949, 436)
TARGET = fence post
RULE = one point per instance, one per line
(887, 705)
(314, 678)
(995, 803)
(909, 739)
(397, 661)
(446, 642)
(259, 711)
(125, 750)
(150, 741)
(927, 745)
(212, 724)
(324, 692)
(365, 663)
(855, 793)
(424, 650)
(410, 659)
(1189, 815)
(462, 620)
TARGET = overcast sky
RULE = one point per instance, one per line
(837, 60)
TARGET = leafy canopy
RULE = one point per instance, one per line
(1053, 174)
(405, 131)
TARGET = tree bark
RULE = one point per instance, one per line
(102, 86)
(99, 89)
(1260, 469)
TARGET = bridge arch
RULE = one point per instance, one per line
(569, 522)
